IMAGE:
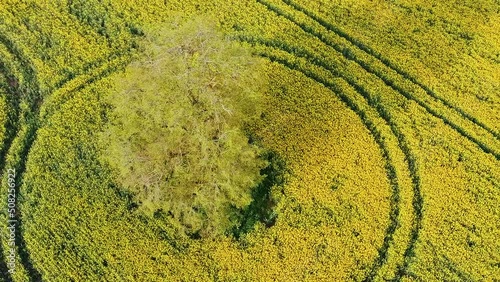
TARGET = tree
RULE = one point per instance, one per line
(177, 132)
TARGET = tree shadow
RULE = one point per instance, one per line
(262, 208)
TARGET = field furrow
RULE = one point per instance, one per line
(381, 113)
(25, 132)
(489, 144)
(389, 64)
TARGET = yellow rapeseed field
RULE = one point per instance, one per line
(385, 114)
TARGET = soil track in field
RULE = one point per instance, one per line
(346, 53)
(390, 169)
(30, 91)
(13, 104)
(388, 63)
(32, 118)
(402, 143)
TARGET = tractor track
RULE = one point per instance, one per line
(32, 120)
(368, 50)
(390, 169)
(30, 92)
(13, 103)
(418, 201)
(351, 57)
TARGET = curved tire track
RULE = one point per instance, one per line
(368, 50)
(31, 92)
(410, 159)
(7, 142)
(418, 201)
(346, 53)
(32, 119)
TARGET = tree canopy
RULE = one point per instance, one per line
(177, 130)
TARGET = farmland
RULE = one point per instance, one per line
(380, 120)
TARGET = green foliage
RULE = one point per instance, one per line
(262, 207)
(176, 136)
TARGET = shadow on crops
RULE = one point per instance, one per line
(262, 207)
